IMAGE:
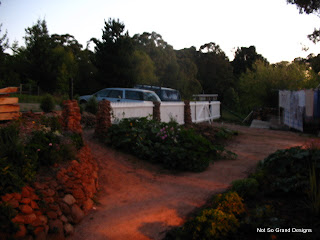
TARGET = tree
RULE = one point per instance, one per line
(188, 84)
(114, 56)
(259, 87)
(38, 56)
(244, 59)
(163, 56)
(309, 7)
(215, 72)
(4, 44)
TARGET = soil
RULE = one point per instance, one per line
(141, 201)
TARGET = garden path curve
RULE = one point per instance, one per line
(141, 201)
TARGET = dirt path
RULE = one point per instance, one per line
(141, 201)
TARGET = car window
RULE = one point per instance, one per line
(102, 93)
(171, 95)
(147, 96)
(134, 95)
(115, 94)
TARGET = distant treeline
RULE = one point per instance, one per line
(119, 60)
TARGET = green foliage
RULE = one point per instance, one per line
(257, 86)
(231, 99)
(246, 188)
(16, 163)
(217, 222)
(314, 193)
(288, 170)
(172, 146)
(92, 105)
(47, 103)
(6, 214)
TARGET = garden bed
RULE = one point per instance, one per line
(48, 178)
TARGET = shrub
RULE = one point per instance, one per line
(229, 202)
(92, 105)
(217, 222)
(211, 224)
(288, 170)
(17, 165)
(246, 188)
(174, 147)
(47, 103)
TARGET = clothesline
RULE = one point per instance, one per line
(299, 105)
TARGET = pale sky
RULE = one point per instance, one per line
(276, 29)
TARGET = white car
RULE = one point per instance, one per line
(122, 95)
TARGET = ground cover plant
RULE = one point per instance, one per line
(281, 200)
(28, 144)
(169, 144)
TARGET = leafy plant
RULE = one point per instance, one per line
(47, 103)
(219, 221)
(314, 193)
(246, 188)
(92, 105)
(174, 147)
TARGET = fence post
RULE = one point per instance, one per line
(156, 111)
(103, 119)
(187, 113)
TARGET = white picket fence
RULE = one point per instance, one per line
(200, 111)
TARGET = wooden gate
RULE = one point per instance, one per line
(9, 107)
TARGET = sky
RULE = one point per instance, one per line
(275, 28)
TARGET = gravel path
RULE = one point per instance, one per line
(141, 201)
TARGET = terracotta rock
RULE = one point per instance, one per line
(78, 193)
(63, 218)
(56, 227)
(26, 209)
(34, 205)
(87, 205)
(14, 203)
(69, 199)
(52, 215)
(7, 197)
(49, 200)
(25, 200)
(19, 218)
(17, 196)
(68, 228)
(76, 213)
(40, 233)
(30, 218)
(21, 232)
(39, 186)
(25, 193)
(65, 208)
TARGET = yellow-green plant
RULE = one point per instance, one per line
(229, 202)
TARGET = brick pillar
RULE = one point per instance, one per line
(156, 111)
(103, 119)
(71, 116)
(187, 113)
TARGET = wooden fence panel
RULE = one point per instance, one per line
(9, 108)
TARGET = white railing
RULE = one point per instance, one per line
(205, 111)
(122, 110)
(200, 111)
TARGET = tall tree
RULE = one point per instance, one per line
(244, 59)
(38, 55)
(4, 44)
(215, 72)
(163, 56)
(114, 56)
